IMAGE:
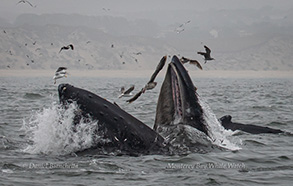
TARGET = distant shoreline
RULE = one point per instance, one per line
(148, 73)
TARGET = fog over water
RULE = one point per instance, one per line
(134, 35)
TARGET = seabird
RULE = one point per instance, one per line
(122, 89)
(207, 54)
(178, 31)
(181, 28)
(137, 53)
(127, 92)
(67, 47)
(25, 1)
(60, 73)
(121, 55)
(135, 96)
(151, 84)
(191, 61)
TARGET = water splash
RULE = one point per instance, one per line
(50, 131)
(219, 135)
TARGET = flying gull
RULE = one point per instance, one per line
(207, 54)
(60, 73)
(191, 61)
(137, 53)
(181, 28)
(25, 1)
(127, 92)
(67, 47)
(151, 84)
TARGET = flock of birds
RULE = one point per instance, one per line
(152, 84)
(61, 72)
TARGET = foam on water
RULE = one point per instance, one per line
(50, 131)
(219, 135)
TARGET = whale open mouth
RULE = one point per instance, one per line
(178, 102)
(176, 95)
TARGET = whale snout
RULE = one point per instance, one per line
(62, 87)
(62, 91)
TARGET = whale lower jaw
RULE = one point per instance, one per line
(116, 130)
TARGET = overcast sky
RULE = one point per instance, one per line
(9, 9)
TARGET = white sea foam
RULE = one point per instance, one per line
(50, 131)
(219, 135)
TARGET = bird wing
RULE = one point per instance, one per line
(201, 53)
(19, 2)
(195, 62)
(61, 49)
(61, 68)
(26, 2)
(129, 90)
(71, 46)
(207, 49)
(135, 96)
(158, 69)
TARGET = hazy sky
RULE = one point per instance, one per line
(9, 9)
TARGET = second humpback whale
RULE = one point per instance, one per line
(227, 123)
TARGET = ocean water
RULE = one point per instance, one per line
(36, 148)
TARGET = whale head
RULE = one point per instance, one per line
(178, 102)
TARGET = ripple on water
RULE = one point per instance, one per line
(32, 96)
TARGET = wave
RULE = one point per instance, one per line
(32, 96)
(51, 131)
(219, 135)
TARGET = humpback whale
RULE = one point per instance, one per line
(119, 130)
(178, 111)
(227, 123)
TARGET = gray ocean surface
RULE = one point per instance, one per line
(35, 149)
